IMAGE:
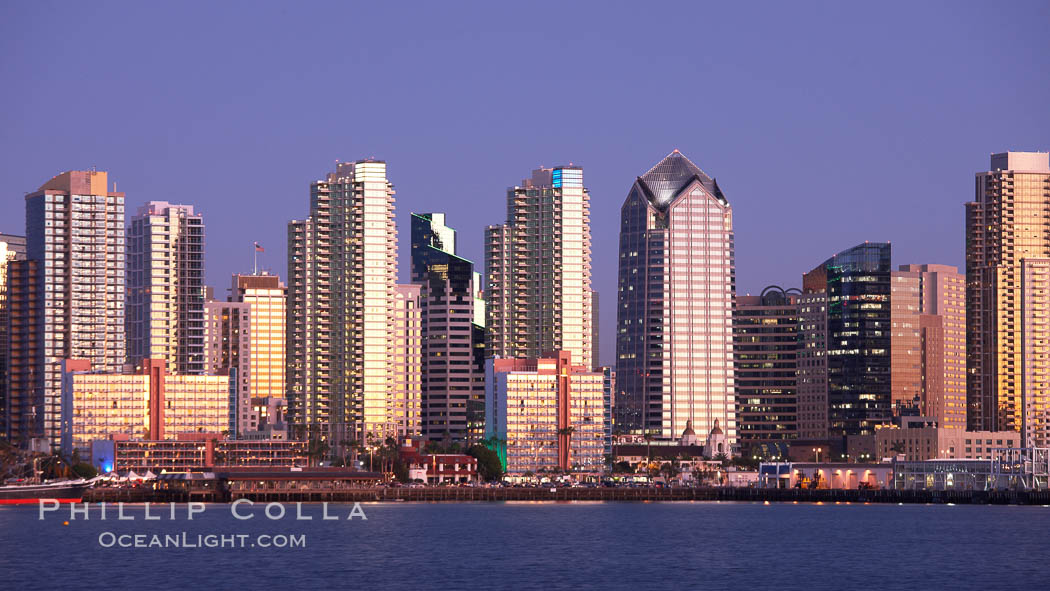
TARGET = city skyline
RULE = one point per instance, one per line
(774, 113)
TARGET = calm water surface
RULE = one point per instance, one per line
(546, 546)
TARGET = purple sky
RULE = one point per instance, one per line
(825, 125)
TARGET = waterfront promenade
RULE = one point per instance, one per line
(469, 494)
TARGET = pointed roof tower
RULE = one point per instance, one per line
(666, 180)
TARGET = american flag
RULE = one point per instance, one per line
(258, 248)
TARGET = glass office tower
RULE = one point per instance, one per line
(674, 342)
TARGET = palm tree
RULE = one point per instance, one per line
(567, 433)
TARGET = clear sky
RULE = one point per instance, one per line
(826, 124)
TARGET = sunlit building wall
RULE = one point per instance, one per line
(1006, 225)
(905, 340)
(342, 273)
(549, 412)
(75, 237)
(1035, 349)
(148, 403)
(942, 323)
(677, 281)
(538, 269)
(408, 361)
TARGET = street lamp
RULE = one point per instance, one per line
(816, 451)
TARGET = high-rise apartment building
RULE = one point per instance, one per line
(674, 342)
(407, 344)
(1006, 233)
(942, 328)
(1035, 348)
(75, 247)
(165, 283)
(549, 411)
(342, 274)
(765, 349)
(857, 325)
(12, 248)
(453, 341)
(538, 269)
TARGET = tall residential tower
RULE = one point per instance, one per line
(538, 269)
(1007, 251)
(75, 250)
(342, 276)
(165, 283)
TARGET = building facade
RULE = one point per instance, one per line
(165, 287)
(12, 248)
(453, 342)
(905, 341)
(857, 285)
(342, 273)
(548, 411)
(538, 269)
(408, 361)
(227, 331)
(674, 342)
(930, 442)
(765, 350)
(75, 247)
(148, 403)
(265, 297)
(1005, 232)
(812, 359)
(942, 343)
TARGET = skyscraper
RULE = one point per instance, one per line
(406, 402)
(858, 316)
(674, 342)
(812, 360)
(12, 248)
(942, 327)
(75, 240)
(765, 348)
(342, 274)
(165, 283)
(265, 296)
(227, 331)
(906, 341)
(538, 269)
(453, 342)
(1006, 235)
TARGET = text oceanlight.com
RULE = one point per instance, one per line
(108, 539)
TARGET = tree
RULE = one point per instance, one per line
(490, 467)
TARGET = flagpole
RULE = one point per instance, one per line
(255, 259)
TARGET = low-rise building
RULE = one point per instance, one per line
(204, 451)
(144, 403)
(836, 475)
(437, 468)
(924, 440)
(550, 413)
